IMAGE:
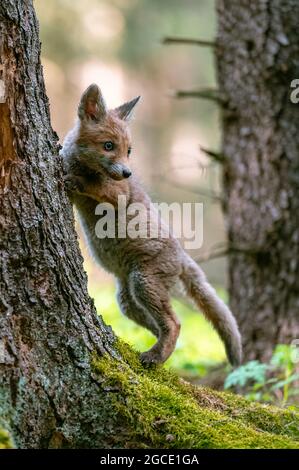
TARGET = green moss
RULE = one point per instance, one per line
(5, 439)
(164, 411)
(263, 417)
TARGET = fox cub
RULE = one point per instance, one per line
(96, 155)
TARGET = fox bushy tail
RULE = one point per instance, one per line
(213, 308)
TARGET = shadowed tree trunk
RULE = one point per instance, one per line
(258, 57)
(48, 323)
(65, 381)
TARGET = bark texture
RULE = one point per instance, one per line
(258, 57)
(64, 379)
(48, 322)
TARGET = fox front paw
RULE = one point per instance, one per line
(73, 184)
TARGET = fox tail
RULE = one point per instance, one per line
(213, 308)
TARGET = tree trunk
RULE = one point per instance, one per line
(48, 323)
(65, 381)
(258, 56)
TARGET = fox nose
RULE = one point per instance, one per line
(126, 173)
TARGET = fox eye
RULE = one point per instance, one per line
(129, 151)
(108, 146)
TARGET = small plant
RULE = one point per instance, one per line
(269, 382)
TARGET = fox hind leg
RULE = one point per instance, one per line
(152, 296)
(135, 312)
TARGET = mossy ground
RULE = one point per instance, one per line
(166, 412)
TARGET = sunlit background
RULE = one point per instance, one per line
(118, 44)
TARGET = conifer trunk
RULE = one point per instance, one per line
(49, 325)
(257, 58)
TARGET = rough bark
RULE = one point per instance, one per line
(64, 379)
(258, 57)
(48, 324)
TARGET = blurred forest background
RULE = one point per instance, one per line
(118, 44)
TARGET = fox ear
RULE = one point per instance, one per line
(125, 111)
(92, 104)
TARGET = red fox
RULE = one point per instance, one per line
(96, 154)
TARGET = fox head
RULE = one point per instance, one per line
(104, 135)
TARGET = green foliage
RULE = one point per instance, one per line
(5, 439)
(253, 370)
(270, 382)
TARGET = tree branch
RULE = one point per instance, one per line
(219, 251)
(203, 93)
(218, 157)
(188, 41)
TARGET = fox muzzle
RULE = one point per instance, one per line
(100, 163)
(118, 171)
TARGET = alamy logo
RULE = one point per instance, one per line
(160, 220)
(294, 96)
